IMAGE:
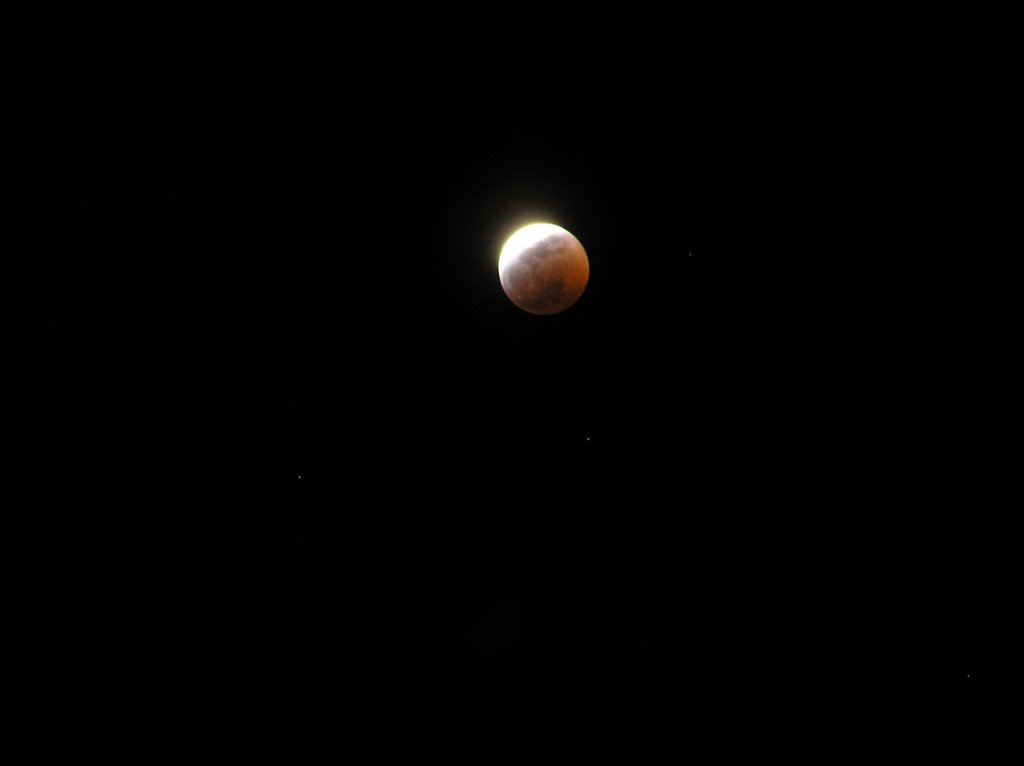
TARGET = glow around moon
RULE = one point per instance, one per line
(543, 268)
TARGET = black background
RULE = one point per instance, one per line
(294, 443)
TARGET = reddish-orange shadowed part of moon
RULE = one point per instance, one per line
(543, 268)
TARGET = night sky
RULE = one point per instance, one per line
(293, 442)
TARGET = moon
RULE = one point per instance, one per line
(543, 268)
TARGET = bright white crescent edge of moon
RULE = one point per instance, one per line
(524, 238)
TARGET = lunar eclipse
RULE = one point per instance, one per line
(543, 268)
